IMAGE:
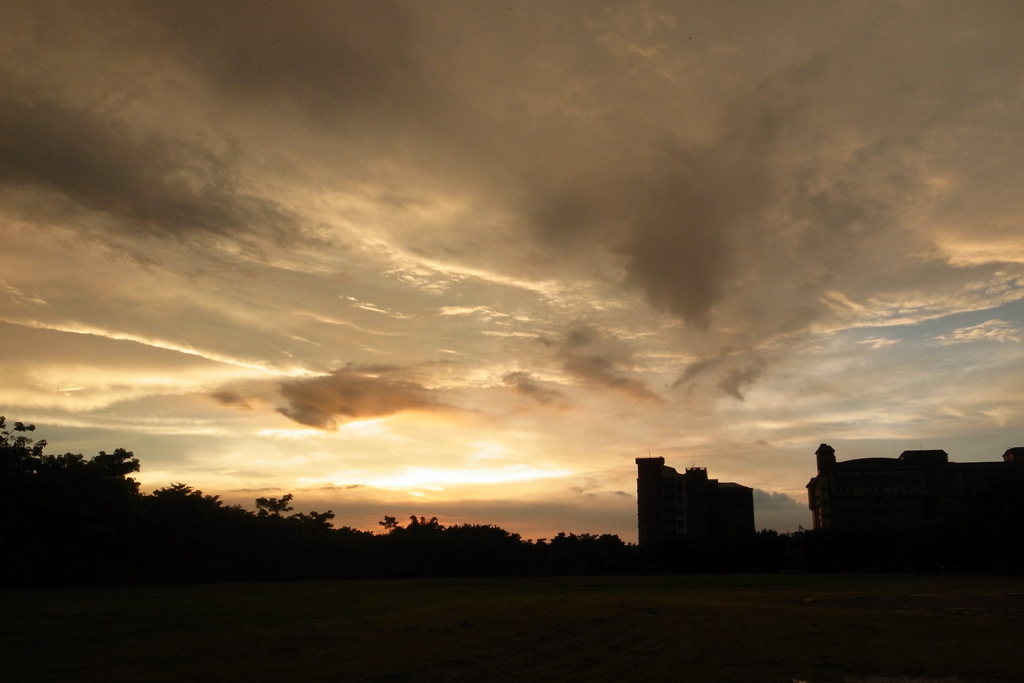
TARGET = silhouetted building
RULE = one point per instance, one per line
(898, 493)
(671, 505)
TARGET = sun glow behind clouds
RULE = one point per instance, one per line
(371, 427)
(437, 478)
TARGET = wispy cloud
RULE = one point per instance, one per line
(879, 342)
(995, 330)
(526, 385)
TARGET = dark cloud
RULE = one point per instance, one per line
(154, 185)
(579, 337)
(232, 399)
(582, 491)
(733, 371)
(737, 377)
(602, 372)
(697, 368)
(524, 384)
(779, 512)
(598, 360)
(353, 392)
(678, 217)
(680, 253)
(332, 59)
(769, 500)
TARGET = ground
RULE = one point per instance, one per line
(870, 629)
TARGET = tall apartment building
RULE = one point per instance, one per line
(898, 493)
(671, 505)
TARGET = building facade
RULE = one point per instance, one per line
(671, 505)
(917, 488)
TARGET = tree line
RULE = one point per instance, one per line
(67, 519)
(70, 520)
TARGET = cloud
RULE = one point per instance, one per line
(733, 371)
(19, 296)
(798, 191)
(154, 184)
(602, 372)
(674, 218)
(737, 377)
(991, 330)
(697, 368)
(879, 342)
(736, 211)
(524, 384)
(681, 253)
(331, 59)
(231, 398)
(353, 392)
(770, 500)
(598, 359)
(779, 512)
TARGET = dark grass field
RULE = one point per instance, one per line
(679, 628)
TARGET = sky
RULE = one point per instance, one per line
(471, 259)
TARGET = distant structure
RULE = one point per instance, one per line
(901, 493)
(671, 505)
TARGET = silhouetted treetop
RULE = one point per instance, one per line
(274, 506)
(15, 445)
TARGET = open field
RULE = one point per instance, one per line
(679, 628)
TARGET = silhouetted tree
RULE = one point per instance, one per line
(273, 506)
(63, 514)
(316, 520)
